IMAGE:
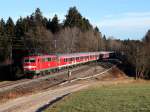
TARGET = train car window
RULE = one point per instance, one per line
(71, 59)
(54, 59)
(57, 59)
(43, 60)
(26, 60)
(48, 59)
(65, 60)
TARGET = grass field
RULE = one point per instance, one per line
(119, 98)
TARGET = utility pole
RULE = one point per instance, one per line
(69, 75)
(55, 45)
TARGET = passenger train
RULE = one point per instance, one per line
(41, 64)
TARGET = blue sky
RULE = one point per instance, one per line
(119, 18)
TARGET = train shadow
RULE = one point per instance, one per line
(7, 73)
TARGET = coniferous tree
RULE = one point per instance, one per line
(54, 24)
(26, 23)
(96, 29)
(2, 27)
(44, 22)
(48, 25)
(10, 27)
(38, 17)
(19, 28)
(86, 24)
(73, 18)
(147, 36)
(2, 40)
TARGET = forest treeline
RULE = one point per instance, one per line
(38, 34)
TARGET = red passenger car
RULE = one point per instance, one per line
(104, 55)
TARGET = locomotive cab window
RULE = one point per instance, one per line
(32, 60)
(26, 60)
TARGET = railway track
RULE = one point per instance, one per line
(12, 83)
(56, 78)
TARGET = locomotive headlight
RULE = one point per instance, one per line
(29, 67)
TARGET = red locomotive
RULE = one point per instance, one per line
(41, 64)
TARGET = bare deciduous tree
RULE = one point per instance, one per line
(39, 40)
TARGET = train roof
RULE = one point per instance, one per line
(44, 56)
(68, 55)
(77, 54)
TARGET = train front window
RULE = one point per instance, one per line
(26, 60)
(31, 60)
